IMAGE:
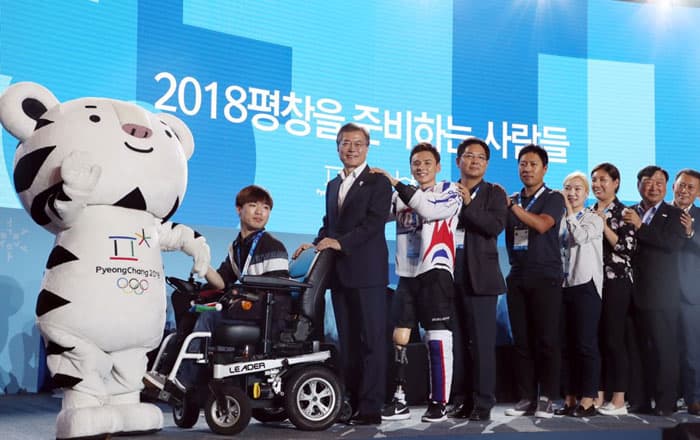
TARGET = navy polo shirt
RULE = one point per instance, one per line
(542, 259)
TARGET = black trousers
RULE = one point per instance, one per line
(474, 347)
(534, 307)
(617, 296)
(580, 354)
(360, 316)
(658, 336)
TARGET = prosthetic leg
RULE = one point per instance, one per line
(398, 409)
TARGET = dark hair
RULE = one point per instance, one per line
(649, 171)
(471, 141)
(252, 194)
(351, 126)
(532, 148)
(689, 171)
(425, 146)
(612, 171)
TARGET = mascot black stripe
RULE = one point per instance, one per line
(28, 167)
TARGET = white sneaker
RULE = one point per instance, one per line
(523, 408)
(610, 410)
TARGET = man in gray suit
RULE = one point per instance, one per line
(686, 189)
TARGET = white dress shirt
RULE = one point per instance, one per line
(348, 181)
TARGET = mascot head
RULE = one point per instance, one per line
(142, 156)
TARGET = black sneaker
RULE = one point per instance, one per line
(524, 407)
(544, 409)
(436, 412)
(396, 410)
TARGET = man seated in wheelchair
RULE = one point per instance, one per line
(253, 252)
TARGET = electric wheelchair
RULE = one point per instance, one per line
(257, 368)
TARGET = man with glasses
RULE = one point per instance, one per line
(478, 282)
(357, 207)
(656, 295)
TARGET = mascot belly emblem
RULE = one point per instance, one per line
(104, 176)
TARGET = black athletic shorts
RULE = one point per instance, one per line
(426, 298)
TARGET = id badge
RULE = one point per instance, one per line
(413, 247)
(459, 238)
(520, 239)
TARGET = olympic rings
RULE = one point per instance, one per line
(132, 285)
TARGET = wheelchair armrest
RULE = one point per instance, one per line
(271, 283)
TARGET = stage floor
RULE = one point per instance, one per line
(31, 416)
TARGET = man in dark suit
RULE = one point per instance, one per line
(357, 207)
(686, 189)
(656, 296)
(478, 282)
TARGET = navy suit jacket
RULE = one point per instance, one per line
(483, 219)
(359, 227)
(655, 263)
(689, 263)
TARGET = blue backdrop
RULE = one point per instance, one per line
(265, 85)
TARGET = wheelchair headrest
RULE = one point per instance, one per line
(312, 300)
(300, 267)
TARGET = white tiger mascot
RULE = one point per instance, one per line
(104, 176)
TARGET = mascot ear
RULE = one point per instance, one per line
(182, 132)
(21, 108)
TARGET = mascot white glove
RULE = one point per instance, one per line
(198, 249)
(80, 175)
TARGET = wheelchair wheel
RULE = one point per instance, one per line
(186, 414)
(232, 419)
(312, 398)
(270, 415)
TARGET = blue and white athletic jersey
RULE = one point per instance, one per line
(426, 221)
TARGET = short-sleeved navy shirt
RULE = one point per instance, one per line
(542, 258)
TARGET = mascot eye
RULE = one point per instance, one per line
(94, 118)
(167, 132)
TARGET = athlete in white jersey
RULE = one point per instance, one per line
(426, 219)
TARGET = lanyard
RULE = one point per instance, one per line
(565, 233)
(534, 199)
(250, 253)
(476, 191)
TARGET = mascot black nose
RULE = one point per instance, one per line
(138, 131)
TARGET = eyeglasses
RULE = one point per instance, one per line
(684, 186)
(472, 156)
(358, 144)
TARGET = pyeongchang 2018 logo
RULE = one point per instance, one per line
(125, 246)
(132, 280)
(132, 285)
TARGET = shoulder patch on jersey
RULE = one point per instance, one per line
(48, 301)
(59, 255)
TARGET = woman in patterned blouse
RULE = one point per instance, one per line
(618, 246)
